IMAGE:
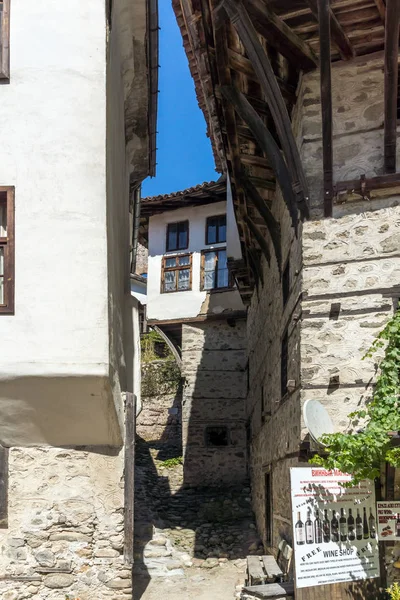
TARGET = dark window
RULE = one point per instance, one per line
(214, 269)
(268, 508)
(216, 230)
(6, 250)
(176, 273)
(286, 283)
(284, 364)
(217, 436)
(5, 39)
(178, 236)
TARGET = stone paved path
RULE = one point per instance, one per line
(218, 583)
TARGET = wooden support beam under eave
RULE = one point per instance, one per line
(391, 82)
(281, 36)
(326, 102)
(339, 37)
(267, 144)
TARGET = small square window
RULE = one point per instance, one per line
(216, 230)
(177, 236)
(217, 436)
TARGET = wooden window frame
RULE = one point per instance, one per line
(214, 289)
(177, 249)
(5, 41)
(8, 243)
(218, 241)
(177, 267)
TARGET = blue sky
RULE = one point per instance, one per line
(184, 156)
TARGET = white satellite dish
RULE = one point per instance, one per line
(317, 420)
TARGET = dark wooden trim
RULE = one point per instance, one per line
(339, 37)
(260, 239)
(391, 82)
(326, 102)
(262, 67)
(234, 314)
(5, 46)
(263, 209)
(380, 5)
(9, 253)
(3, 487)
(281, 36)
(267, 143)
(363, 185)
(129, 477)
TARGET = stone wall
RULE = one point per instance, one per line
(215, 388)
(160, 419)
(66, 526)
(342, 292)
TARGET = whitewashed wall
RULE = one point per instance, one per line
(191, 303)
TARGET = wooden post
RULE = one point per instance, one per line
(326, 102)
(391, 82)
(129, 472)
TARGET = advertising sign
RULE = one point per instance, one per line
(334, 528)
(388, 520)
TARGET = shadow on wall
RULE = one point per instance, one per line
(194, 488)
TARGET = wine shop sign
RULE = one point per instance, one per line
(334, 528)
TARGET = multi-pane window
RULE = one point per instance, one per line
(216, 230)
(177, 236)
(214, 269)
(4, 39)
(6, 250)
(176, 273)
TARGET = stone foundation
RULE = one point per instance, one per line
(65, 532)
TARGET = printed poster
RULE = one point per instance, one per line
(388, 520)
(334, 528)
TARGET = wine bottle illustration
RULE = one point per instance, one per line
(309, 529)
(317, 528)
(365, 525)
(300, 531)
(343, 526)
(326, 526)
(351, 527)
(372, 524)
(398, 526)
(334, 527)
(359, 526)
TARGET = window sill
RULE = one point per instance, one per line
(175, 291)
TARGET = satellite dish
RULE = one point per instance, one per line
(317, 420)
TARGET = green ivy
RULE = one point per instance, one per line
(362, 454)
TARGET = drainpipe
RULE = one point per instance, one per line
(137, 194)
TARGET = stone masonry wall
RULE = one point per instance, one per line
(66, 525)
(214, 368)
(343, 274)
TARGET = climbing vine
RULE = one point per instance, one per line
(361, 453)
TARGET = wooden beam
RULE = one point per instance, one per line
(129, 471)
(263, 209)
(339, 37)
(270, 87)
(326, 102)
(363, 185)
(260, 239)
(380, 5)
(267, 143)
(280, 36)
(391, 82)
